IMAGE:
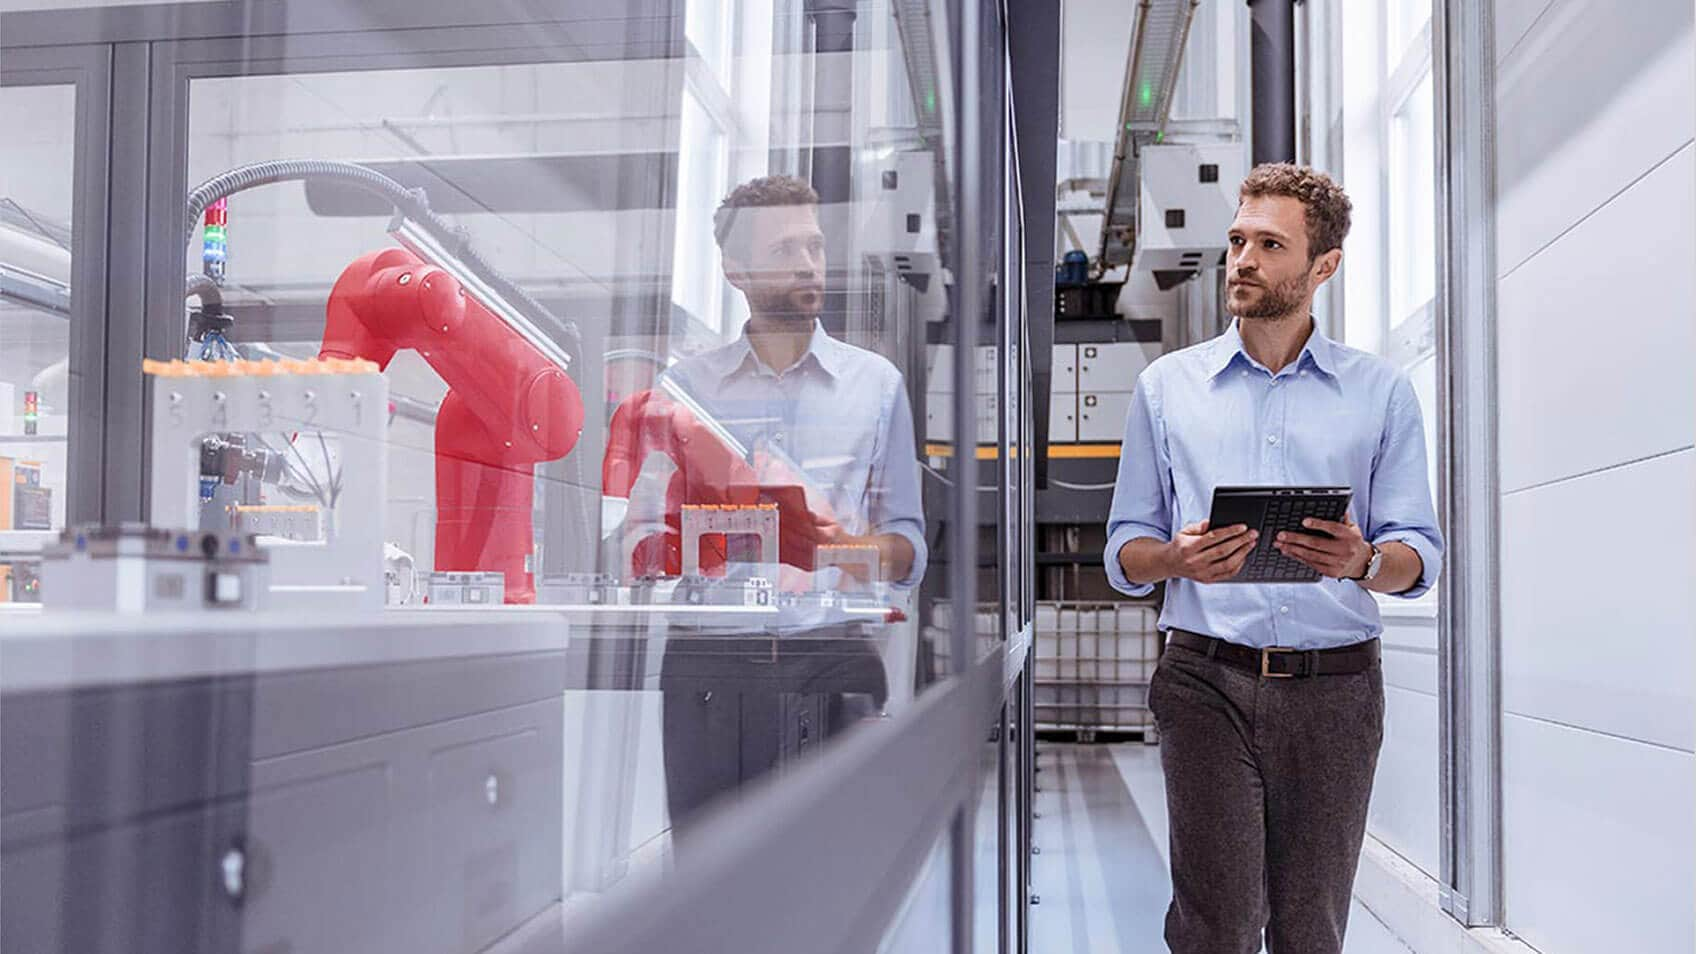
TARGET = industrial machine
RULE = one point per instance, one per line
(131, 568)
(337, 408)
(1188, 198)
(511, 403)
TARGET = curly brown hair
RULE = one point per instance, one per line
(764, 192)
(1328, 206)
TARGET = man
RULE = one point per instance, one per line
(1268, 777)
(830, 422)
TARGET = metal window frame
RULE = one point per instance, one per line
(1469, 627)
(87, 68)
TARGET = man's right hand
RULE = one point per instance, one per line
(1209, 556)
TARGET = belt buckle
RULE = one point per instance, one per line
(1266, 663)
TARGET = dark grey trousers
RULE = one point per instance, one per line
(737, 708)
(1267, 783)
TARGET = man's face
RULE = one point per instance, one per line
(1267, 271)
(782, 273)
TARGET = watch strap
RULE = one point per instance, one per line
(1374, 565)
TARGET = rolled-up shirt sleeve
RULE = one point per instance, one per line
(1142, 506)
(895, 503)
(1401, 508)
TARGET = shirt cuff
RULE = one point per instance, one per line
(1115, 571)
(1430, 559)
(921, 556)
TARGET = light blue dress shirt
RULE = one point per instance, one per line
(840, 415)
(1211, 416)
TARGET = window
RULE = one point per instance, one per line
(1406, 19)
(707, 24)
(1412, 193)
(1383, 102)
(695, 280)
(35, 314)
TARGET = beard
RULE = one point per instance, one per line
(789, 303)
(1270, 302)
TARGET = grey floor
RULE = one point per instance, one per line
(1101, 872)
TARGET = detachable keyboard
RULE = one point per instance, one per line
(1274, 510)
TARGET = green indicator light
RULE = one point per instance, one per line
(1147, 94)
(1160, 137)
(930, 101)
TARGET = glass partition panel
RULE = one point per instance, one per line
(554, 446)
(36, 204)
(1386, 102)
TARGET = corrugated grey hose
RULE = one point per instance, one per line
(411, 203)
(204, 288)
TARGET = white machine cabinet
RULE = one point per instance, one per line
(1189, 196)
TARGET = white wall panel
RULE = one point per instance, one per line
(1411, 669)
(1403, 814)
(1596, 94)
(1592, 637)
(1408, 626)
(1410, 652)
(1513, 20)
(1596, 337)
(1597, 836)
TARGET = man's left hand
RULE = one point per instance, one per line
(1343, 555)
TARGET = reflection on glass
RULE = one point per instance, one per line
(560, 418)
(778, 467)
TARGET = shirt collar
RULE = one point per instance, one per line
(822, 350)
(1319, 350)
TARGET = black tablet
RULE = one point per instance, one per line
(1272, 510)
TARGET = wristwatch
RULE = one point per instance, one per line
(1373, 566)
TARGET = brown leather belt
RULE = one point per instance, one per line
(1280, 663)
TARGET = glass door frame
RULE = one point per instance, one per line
(89, 470)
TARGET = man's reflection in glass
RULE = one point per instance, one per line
(825, 431)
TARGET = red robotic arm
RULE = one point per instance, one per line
(704, 471)
(507, 409)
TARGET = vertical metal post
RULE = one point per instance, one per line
(1273, 65)
(831, 160)
(1027, 795)
(969, 299)
(129, 236)
(968, 316)
(90, 252)
(1003, 814)
(1013, 532)
(833, 85)
(1301, 75)
(1033, 51)
(1469, 674)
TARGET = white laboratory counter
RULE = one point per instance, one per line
(53, 650)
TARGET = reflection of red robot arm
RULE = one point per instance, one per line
(507, 409)
(704, 471)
